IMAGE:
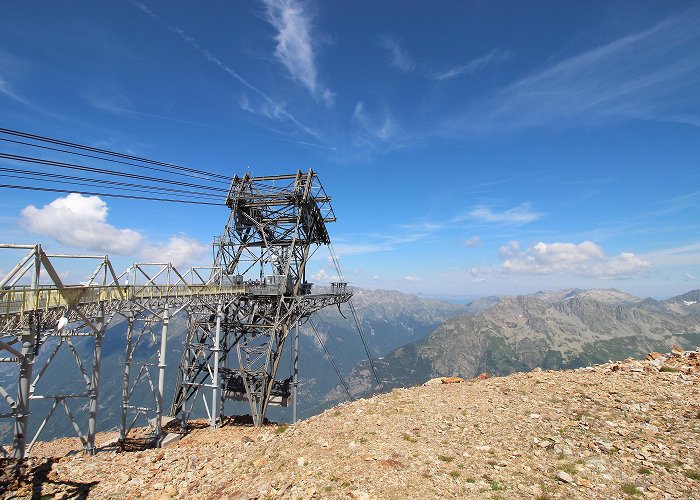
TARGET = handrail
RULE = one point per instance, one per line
(21, 300)
(24, 300)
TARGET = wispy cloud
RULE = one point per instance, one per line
(377, 131)
(283, 113)
(7, 90)
(521, 214)
(343, 249)
(402, 60)
(649, 75)
(12, 70)
(383, 129)
(472, 242)
(495, 56)
(372, 243)
(398, 58)
(676, 256)
(267, 109)
(281, 137)
(685, 119)
(295, 45)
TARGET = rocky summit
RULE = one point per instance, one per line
(618, 430)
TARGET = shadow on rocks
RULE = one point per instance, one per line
(33, 477)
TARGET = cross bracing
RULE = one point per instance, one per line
(240, 312)
(275, 225)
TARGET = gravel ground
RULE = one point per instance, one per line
(619, 430)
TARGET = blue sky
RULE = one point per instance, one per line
(471, 148)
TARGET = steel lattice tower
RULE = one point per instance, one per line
(275, 225)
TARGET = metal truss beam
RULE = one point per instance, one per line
(275, 226)
(240, 312)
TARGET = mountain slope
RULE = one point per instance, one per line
(565, 330)
(388, 318)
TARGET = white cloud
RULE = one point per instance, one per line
(493, 57)
(295, 45)
(399, 59)
(323, 277)
(522, 214)
(413, 278)
(508, 250)
(81, 221)
(180, 251)
(476, 275)
(472, 242)
(375, 277)
(584, 259)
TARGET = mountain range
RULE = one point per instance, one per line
(551, 330)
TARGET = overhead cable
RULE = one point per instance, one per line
(40, 138)
(113, 195)
(73, 166)
(86, 181)
(112, 160)
(330, 358)
(358, 325)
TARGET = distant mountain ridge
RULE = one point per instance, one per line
(552, 330)
(607, 295)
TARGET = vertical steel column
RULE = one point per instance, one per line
(23, 391)
(161, 370)
(224, 359)
(185, 369)
(95, 384)
(295, 373)
(29, 338)
(215, 374)
(127, 372)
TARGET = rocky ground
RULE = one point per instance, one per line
(620, 430)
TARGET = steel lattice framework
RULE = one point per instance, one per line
(240, 312)
(275, 225)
